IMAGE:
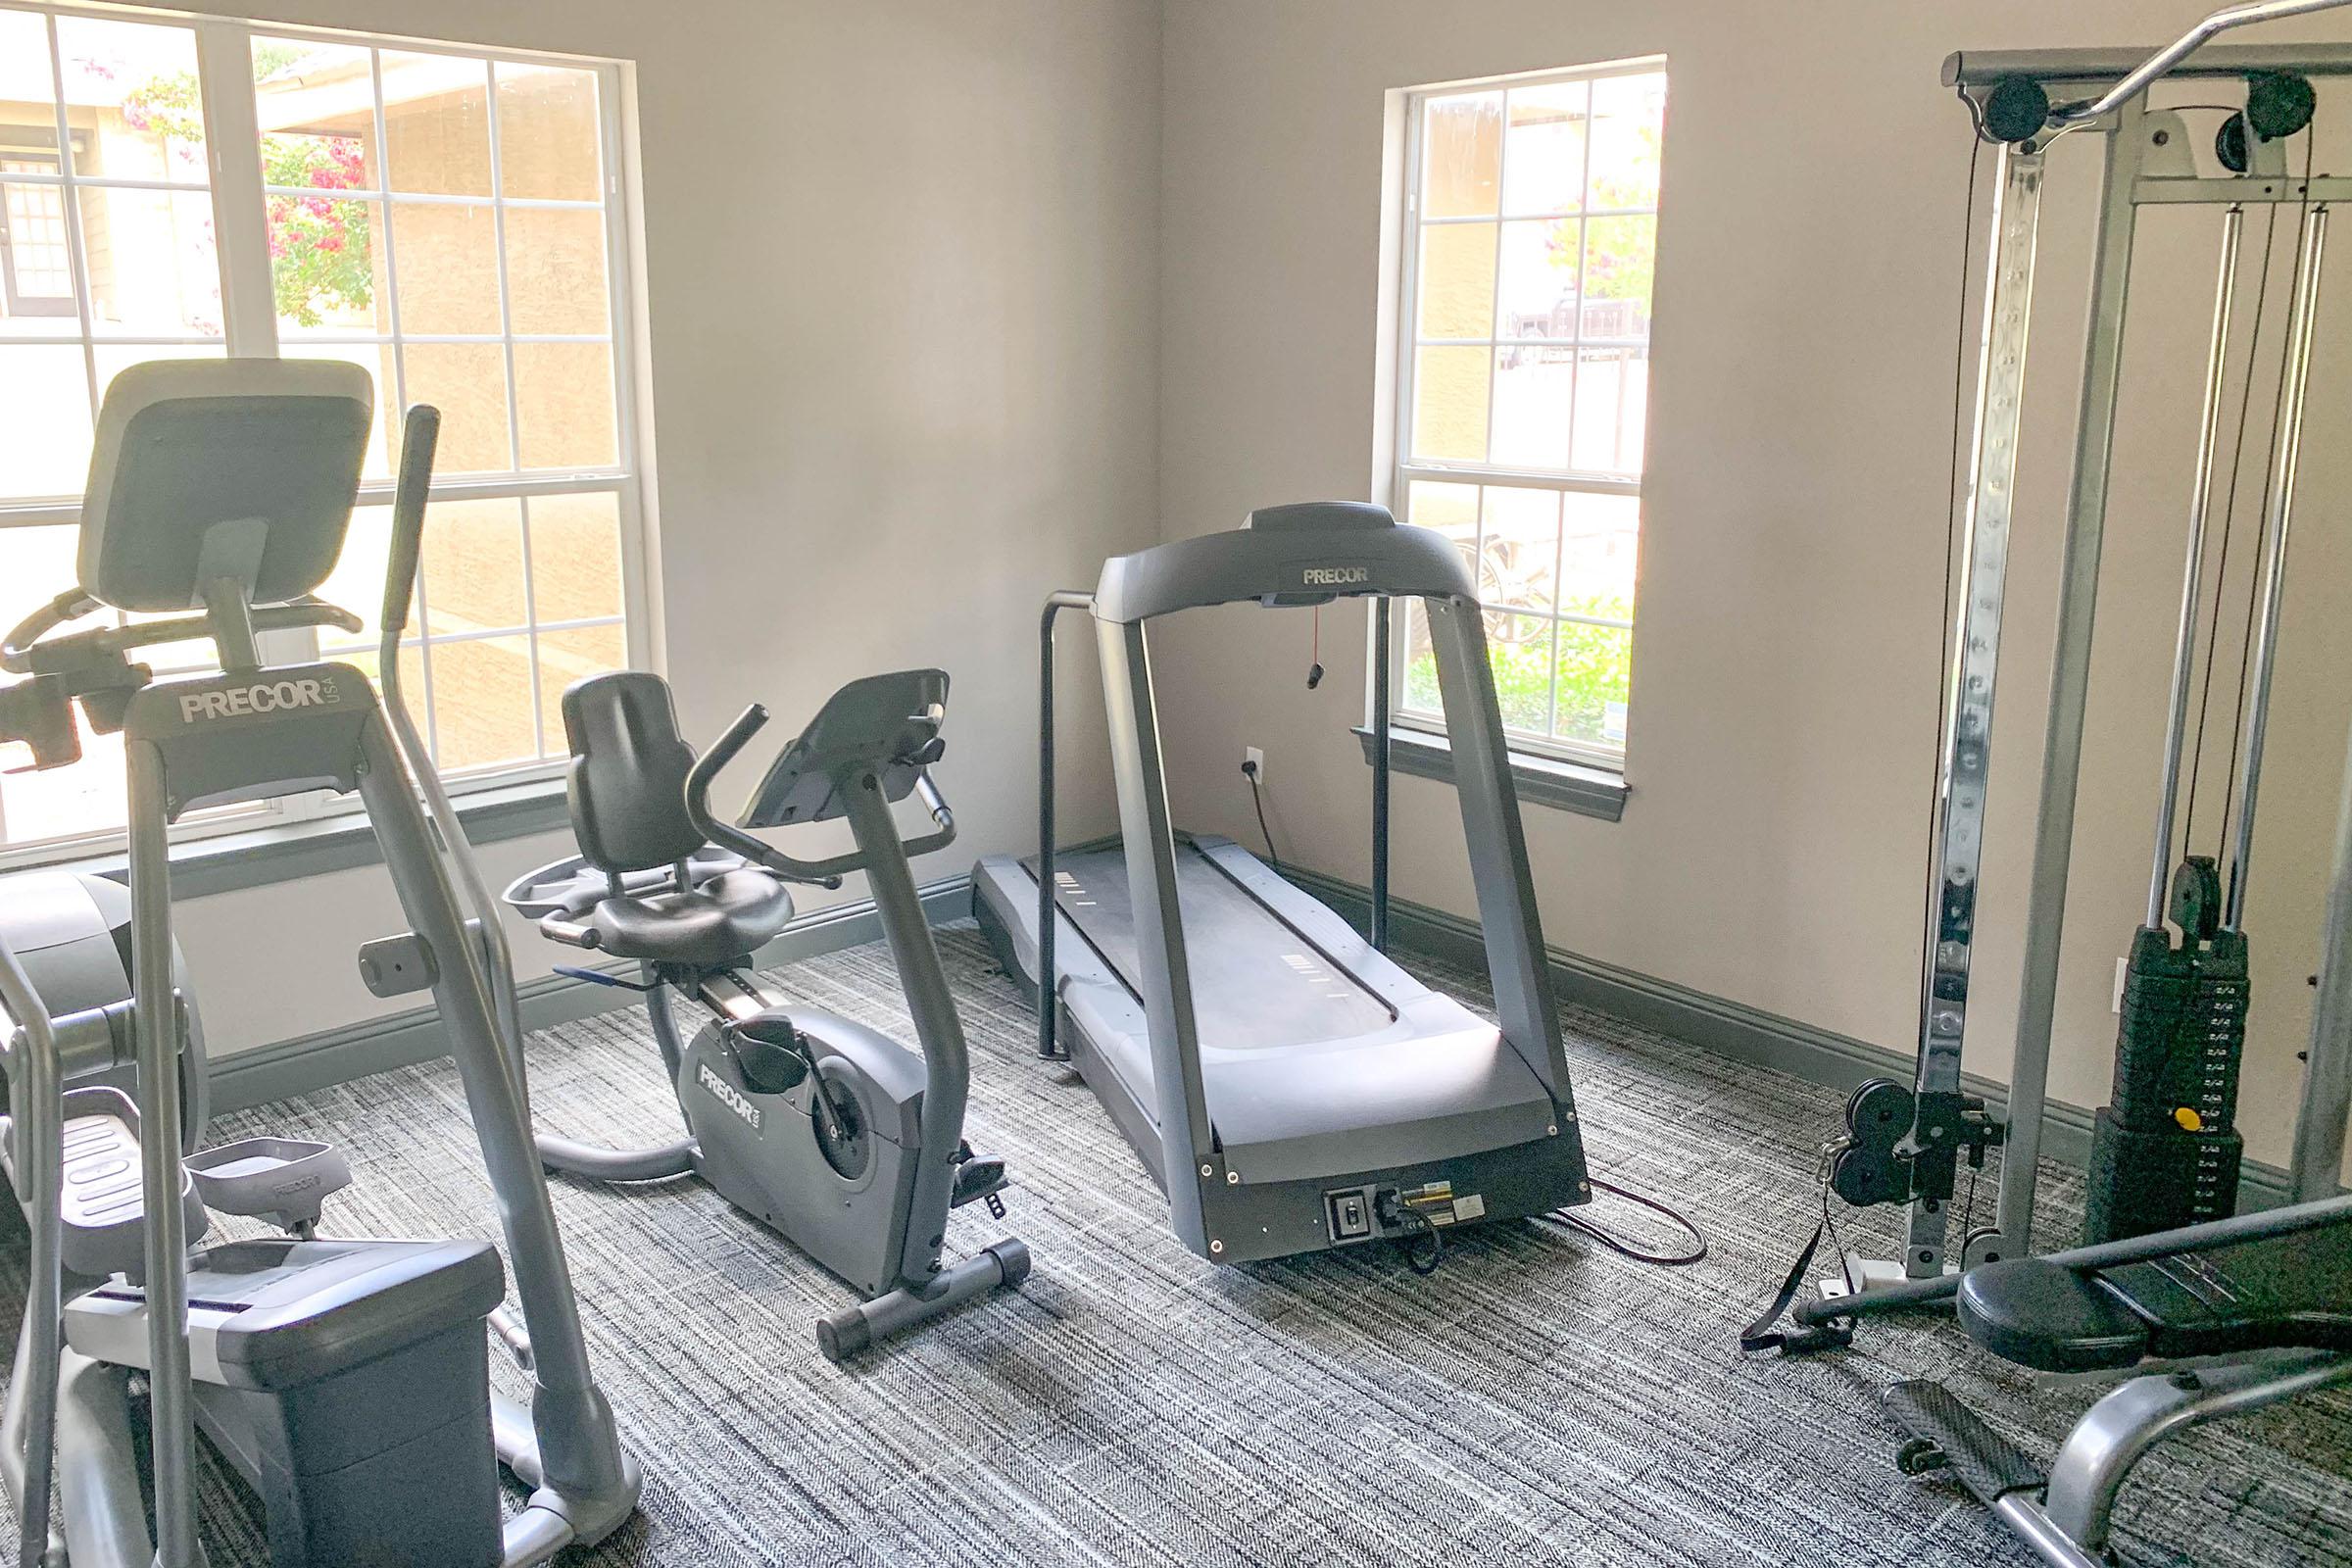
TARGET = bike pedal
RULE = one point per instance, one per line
(981, 1176)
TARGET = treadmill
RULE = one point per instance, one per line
(1289, 1087)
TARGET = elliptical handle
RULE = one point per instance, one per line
(941, 817)
(17, 652)
(420, 434)
(726, 835)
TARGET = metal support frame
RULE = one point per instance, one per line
(2136, 170)
(2115, 1433)
(1965, 768)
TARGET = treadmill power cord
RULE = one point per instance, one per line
(1257, 798)
(1623, 1246)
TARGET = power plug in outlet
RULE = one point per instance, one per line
(1254, 762)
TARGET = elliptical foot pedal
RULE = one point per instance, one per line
(1944, 1432)
(283, 1180)
(103, 1203)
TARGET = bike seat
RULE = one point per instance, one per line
(2047, 1316)
(722, 921)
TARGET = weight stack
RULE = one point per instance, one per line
(2154, 1179)
(2165, 1151)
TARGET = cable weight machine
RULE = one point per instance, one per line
(2165, 1148)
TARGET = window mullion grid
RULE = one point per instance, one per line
(1503, 171)
(1560, 561)
(505, 327)
(1584, 258)
(76, 261)
(400, 359)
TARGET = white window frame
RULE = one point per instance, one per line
(1408, 341)
(232, 142)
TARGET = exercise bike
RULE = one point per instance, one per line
(837, 1138)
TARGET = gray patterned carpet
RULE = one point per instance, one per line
(1537, 1401)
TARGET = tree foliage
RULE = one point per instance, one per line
(321, 248)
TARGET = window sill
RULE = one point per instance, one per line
(289, 850)
(1540, 780)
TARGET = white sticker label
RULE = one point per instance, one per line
(1469, 1206)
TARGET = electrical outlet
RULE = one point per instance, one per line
(1253, 761)
(2122, 967)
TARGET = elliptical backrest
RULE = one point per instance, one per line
(243, 470)
(627, 782)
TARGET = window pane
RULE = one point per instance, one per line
(1520, 649)
(1601, 542)
(1519, 548)
(323, 266)
(563, 402)
(1543, 166)
(44, 421)
(411, 680)
(556, 270)
(37, 563)
(1596, 664)
(154, 267)
(565, 656)
(468, 383)
(134, 87)
(1628, 119)
(1420, 684)
(1456, 279)
(1462, 155)
(575, 557)
(383, 438)
(357, 583)
(1533, 389)
(24, 74)
(1536, 295)
(447, 255)
(1612, 402)
(548, 146)
(483, 703)
(317, 103)
(1449, 404)
(89, 797)
(1620, 255)
(473, 566)
(36, 263)
(437, 123)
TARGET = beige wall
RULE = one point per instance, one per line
(1789, 626)
(900, 267)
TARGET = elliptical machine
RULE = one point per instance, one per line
(347, 1380)
(835, 1136)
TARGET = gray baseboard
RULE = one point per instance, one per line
(312, 1062)
(1728, 1028)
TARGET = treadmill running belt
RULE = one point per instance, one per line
(1257, 985)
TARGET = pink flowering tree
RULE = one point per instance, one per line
(321, 246)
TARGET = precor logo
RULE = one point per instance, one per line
(725, 1092)
(1335, 576)
(262, 697)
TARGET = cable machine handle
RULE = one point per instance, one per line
(2180, 48)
